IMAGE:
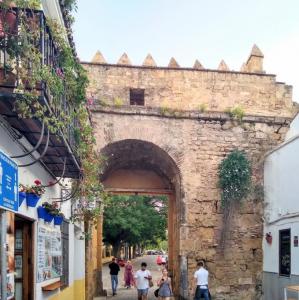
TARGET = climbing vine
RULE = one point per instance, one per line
(234, 178)
(235, 184)
(64, 78)
(90, 191)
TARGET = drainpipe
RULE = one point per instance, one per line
(3, 258)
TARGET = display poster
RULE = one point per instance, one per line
(10, 249)
(9, 192)
(49, 253)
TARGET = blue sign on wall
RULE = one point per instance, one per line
(9, 192)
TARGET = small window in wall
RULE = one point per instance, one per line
(285, 252)
(137, 97)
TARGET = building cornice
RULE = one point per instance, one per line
(188, 114)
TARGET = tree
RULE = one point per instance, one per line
(137, 220)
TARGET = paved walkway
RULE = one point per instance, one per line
(131, 294)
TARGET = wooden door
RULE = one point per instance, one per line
(23, 260)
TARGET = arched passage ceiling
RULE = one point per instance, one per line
(140, 155)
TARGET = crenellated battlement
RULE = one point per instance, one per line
(254, 63)
(196, 88)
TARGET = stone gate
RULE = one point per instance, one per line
(165, 130)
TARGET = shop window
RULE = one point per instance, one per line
(65, 253)
(285, 252)
(137, 97)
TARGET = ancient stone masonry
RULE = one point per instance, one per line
(189, 88)
(196, 141)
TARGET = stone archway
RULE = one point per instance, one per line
(140, 167)
(197, 140)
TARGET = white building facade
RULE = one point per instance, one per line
(43, 260)
(281, 224)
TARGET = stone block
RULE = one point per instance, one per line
(195, 143)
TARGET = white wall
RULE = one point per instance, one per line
(271, 251)
(27, 175)
(294, 128)
(281, 183)
(79, 255)
(52, 10)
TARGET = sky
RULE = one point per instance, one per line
(207, 30)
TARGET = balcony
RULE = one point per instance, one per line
(34, 93)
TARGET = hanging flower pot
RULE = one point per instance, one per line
(32, 199)
(8, 22)
(48, 217)
(41, 212)
(33, 192)
(22, 196)
(58, 220)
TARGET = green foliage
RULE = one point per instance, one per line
(234, 178)
(103, 102)
(169, 111)
(90, 187)
(236, 113)
(158, 244)
(70, 5)
(164, 110)
(135, 220)
(31, 4)
(118, 102)
(68, 80)
(202, 107)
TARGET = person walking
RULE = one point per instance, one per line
(201, 282)
(128, 275)
(114, 269)
(143, 278)
(165, 287)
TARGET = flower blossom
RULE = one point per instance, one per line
(37, 182)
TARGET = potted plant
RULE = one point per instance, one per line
(7, 78)
(56, 213)
(22, 193)
(34, 193)
(43, 210)
(8, 18)
(46, 211)
(58, 218)
(50, 208)
(49, 211)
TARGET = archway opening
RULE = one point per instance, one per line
(136, 167)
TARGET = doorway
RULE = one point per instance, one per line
(23, 259)
(135, 167)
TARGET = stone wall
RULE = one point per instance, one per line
(190, 89)
(198, 142)
(184, 116)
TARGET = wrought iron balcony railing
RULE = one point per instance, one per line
(30, 62)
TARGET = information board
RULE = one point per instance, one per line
(49, 253)
(9, 192)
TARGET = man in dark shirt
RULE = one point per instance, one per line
(114, 269)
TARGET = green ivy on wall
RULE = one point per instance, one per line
(235, 184)
(234, 178)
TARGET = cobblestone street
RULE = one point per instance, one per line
(131, 294)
